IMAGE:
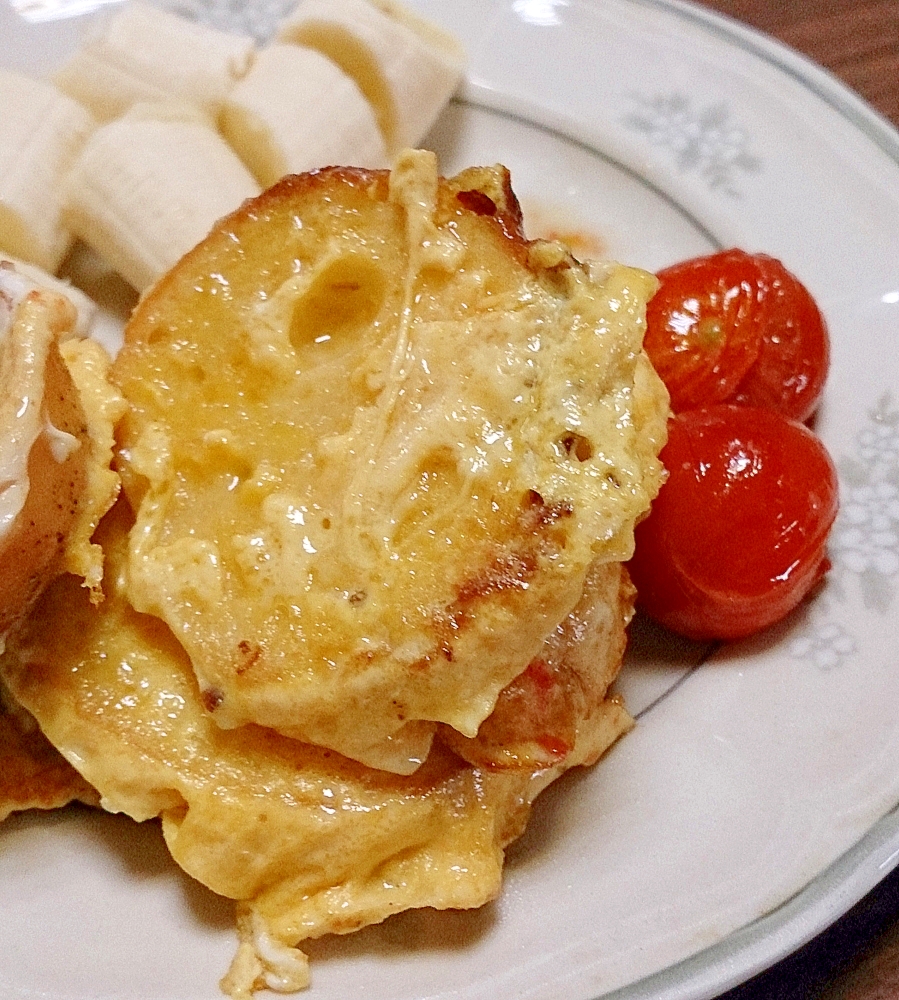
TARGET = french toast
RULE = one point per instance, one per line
(307, 841)
(57, 410)
(44, 441)
(363, 597)
(375, 441)
(56, 419)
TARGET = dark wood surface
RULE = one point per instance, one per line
(857, 40)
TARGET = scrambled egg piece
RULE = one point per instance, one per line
(375, 441)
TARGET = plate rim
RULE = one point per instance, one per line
(820, 81)
(822, 901)
(831, 893)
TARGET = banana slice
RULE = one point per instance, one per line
(407, 67)
(148, 54)
(296, 110)
(149, 186)
(41, 133)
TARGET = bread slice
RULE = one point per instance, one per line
(308, 841)
(43, 444)
(56, 416)
(33, 773)
(376, 441)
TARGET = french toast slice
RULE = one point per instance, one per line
(56, 416)
(33, 773)
(57, 410)
(375, 441)
(44, 441)
(309, 842)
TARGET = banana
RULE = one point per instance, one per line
(149, 185)
(149, 54)
(296, 110)
(41, 133)
(407, 67)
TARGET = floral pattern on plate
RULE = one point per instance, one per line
(701, 138)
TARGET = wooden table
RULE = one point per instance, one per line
(858, 40)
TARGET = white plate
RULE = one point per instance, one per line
(755, 801)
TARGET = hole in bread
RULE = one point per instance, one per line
(432, 498)
(578, 446)
(344, 297)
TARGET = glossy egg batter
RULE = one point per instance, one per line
(375, 441)
(363, 595)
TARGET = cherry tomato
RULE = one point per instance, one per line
(794, 357)
(736, 537)
(737, 327)
(703, 329)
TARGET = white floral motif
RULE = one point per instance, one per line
(879, 445)
(865, 540)
(258, 19)
(827, 644)
(864, 544)
(701, 139)
(866, 537)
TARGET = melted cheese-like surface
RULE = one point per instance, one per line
(375, 441)
(308, 841)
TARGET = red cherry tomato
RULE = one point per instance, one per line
(736, 537)
(794, 356)
(703, 328)
(737, 327)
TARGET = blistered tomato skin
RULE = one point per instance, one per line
(703, 330)
(736, 538)
(794, 356)
(737, 327)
